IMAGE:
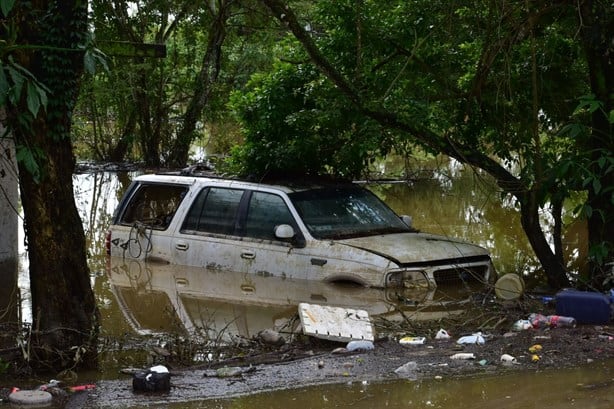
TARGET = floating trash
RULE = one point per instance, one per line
(535, 348)
(360, 345)
(522, 325)
(476, 338)
(463, 355)
(508, 359)
(442, 334)
(412, 340)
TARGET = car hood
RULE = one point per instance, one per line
(407, 248)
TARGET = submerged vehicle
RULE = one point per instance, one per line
(327, 231)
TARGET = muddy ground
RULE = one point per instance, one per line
(308, 361)
(292, 366)
(304, 361)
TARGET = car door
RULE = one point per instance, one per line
(261, 252)
(207, 237)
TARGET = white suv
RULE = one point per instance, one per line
(325, 231)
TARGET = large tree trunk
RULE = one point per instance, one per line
(63, 305)
(65, 316)
(598, 39)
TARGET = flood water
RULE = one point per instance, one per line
(161, 303)
(589, 387)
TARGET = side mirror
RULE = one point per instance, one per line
(407, 220)
(284, 232)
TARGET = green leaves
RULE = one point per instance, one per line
(6, 6)
(93, 57)
(589, 103)
(12, 86)
(33, 99)
(17, 84)
(30, 157)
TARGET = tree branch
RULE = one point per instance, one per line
(427, 137)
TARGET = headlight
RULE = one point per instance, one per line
(409, 279)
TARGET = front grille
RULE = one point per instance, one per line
(475, 274)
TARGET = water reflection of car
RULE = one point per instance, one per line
(160, 298)
(326, 232)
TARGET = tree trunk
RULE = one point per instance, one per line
(203, 85)
(65, 316)
(551, 262)
(597, 37)
(63, 305)
(119, 152)
(148, 139)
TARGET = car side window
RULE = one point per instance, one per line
(214, 211)
(153, 205)
(265, 212)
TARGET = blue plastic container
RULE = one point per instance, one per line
(585, 306)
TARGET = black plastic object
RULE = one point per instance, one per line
(150, 381)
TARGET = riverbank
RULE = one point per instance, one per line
(305, 361)
(318, 363)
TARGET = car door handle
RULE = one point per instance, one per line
(182, 245)
(249, 255)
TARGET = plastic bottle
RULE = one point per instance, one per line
(561, 321)
(554, 321)
(507, 358)
(463, 355)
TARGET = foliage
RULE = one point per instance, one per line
(136, 109)
(489, 84)
(419, 59)
(585, 170)
(296, 123)
(495, 85)
(17, 82)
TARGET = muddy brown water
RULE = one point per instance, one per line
(587, 387)
(141, 305)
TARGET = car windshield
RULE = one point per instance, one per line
(345, 212)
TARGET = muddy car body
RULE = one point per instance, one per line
(328, 232)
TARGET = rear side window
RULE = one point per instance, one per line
(266, 211)
(214, 211)
(153, 205)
